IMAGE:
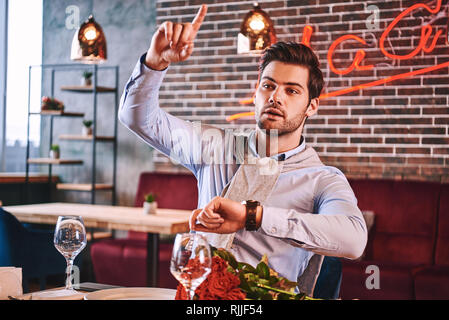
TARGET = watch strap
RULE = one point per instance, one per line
(251, 214)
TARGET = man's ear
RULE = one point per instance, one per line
(313, 107)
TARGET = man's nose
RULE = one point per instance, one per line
(276, 97)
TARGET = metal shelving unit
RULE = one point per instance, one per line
(94, 91)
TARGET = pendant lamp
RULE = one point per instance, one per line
(256, 32)
(89, 43)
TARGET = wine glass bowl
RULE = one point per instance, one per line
(70, 240)
(191, 261)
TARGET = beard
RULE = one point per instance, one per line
(282, 125)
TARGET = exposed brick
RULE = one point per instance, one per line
(436, 111)
(390, 131)
(412, 150)
(310, 130)
(332, 140)
(376, 150)
(342, 149)
(401, 140)
(335, 111)
(348, 7)
(344, 121)
(427, 131)
(443, 91)
(387, 160)
(314, 10)
(355, 130)
(366, 140)
(442, 120)
(429, 101)
(441, 151)
(383, 111)
(415, 91)
(399, 130)
(435, 141)
(427, 160)
(388, 102)
(397, 121)
(295, 3)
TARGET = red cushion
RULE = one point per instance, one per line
(442, 246)
(432, 283)
(406, 215)
(172, 190)
(123, 262)
(395, 281)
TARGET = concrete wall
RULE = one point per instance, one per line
(128, 26)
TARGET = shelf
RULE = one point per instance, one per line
(87, 89)
(80, 137)
(53, 161)
(103, 85)
(83, 186)
(59, 113)
(20, 177)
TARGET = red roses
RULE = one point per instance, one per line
(221, 284)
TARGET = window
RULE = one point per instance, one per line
(24, 49)
(3, 37)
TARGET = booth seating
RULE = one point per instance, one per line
(408, 244)
(123, 261)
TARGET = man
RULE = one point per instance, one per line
(297, 209)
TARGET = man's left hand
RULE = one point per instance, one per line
(220, 215)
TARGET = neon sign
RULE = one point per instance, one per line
(426, 32)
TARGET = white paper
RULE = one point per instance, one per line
(10, 282)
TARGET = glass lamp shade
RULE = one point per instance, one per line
(89, 43)
(256, 32)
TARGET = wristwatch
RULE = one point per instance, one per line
(251, 213)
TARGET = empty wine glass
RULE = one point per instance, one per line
(191, 261)
(69, 240)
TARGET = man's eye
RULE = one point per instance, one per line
(292, 91)
(267, 86)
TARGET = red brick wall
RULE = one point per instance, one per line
(395, 130)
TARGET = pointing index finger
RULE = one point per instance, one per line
(199, 18)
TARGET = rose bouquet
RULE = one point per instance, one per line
(232, 280)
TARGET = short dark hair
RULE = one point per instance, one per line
(296, 53)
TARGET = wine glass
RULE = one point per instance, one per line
(191, 261)
(69, 240)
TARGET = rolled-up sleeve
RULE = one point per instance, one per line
(335, 228)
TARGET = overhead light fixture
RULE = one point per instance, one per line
(89, 43)
(256, 32)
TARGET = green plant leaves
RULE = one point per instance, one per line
(260, 283)
(263, 271)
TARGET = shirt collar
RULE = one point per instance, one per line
(281, 156)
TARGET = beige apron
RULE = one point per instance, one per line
(254, 180)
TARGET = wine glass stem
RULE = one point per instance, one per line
(191, 294)
(68, 281)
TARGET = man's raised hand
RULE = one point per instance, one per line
(173, 42)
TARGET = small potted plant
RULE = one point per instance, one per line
(86, 80)
(150, 204)
(87, 127)
(51, 104)
(54, 151)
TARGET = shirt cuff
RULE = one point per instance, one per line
(274, 222)
(143, 76)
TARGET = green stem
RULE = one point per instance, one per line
(275, 289)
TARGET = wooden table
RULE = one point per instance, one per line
(165, 221)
